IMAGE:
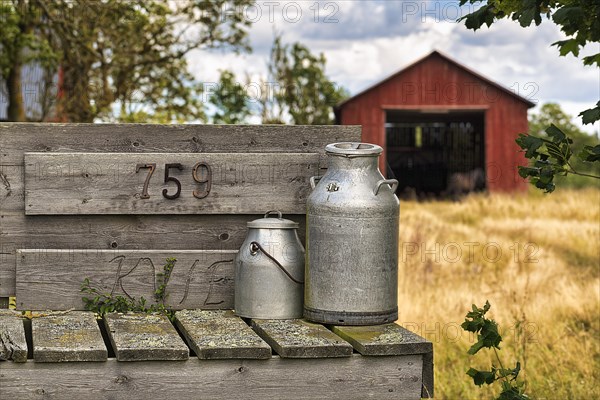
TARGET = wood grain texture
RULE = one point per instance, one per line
(144, 337)
(355, 377)
(12, 187)
(219, 335)
(383, 340)
(51, 279)
(72, 336)
(107, 183)
(13, 345)
(176, 232)
(391, 340)
(296, 338)
(427, 391)
(17, 138)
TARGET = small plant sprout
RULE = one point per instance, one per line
(489, 338)
(103, 302)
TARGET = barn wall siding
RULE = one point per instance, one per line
(435, 83)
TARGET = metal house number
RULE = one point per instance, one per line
(201, 173)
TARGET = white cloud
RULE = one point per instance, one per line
(373, 39)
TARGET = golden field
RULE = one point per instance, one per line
(536, 259)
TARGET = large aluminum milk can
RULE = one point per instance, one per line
(352, 240)
(269, 270)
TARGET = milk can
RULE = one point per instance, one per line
(269, 270)
(352, 240)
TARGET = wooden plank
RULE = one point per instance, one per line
(427, 390)
(219, 335)
(12, 187)
(177, 232)
(51, 279)
(71, 336)
(202, 232)
(7, 276)
(355, 377)
(391, 340)
(13, 345)
(113, 183)
(383, 340)
(296, 338)
(123, 232)
(15, 139)
(144, 337)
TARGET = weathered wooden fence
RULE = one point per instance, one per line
(110, 203)
(65, 188)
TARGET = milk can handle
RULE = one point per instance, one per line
(314, 180)
(392, 182)
(255, 246)
(280, 215)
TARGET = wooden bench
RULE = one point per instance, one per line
(96, 201)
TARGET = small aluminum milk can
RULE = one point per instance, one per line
(269, 270)
(352, 240)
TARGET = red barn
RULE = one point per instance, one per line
(442, 125)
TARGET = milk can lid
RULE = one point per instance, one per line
(273, 223)
(354, 149)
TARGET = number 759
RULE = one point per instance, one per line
(201, 173)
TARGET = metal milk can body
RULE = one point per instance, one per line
(352, 240)
(269, 270)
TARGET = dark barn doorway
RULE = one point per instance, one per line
(436, 154)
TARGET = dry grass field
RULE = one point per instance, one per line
(536, 259)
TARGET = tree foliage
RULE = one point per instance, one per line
(573, 140)
(22, 29)
(296, 89)
(578, 20)
(551, 153)
(552, 113)
(128, 52)
(303, 90)
(230, 100)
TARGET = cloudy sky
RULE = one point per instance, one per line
(367, 40)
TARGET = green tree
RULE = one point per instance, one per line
(230, 99)
(295, 90)
(22, 29)
(131, 53)
(551, 113)
(303, 90)
(270, 111)
(579, 20)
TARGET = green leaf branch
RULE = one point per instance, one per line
(580, 23)
(552, 156)
(488, 337)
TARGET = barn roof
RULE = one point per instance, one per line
(455, 63)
